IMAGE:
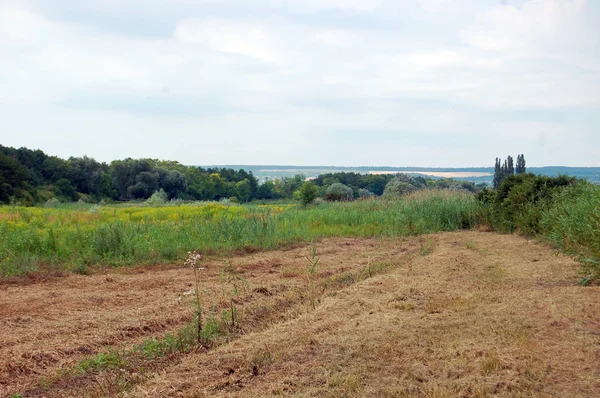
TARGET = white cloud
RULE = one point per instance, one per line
(315, 5)
(538, 26)
(237, 37)
(334, 37)
(19, 26)
(438, 5)
(448, 58)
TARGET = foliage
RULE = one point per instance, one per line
(521, 165)
(402, 184)
(29, 176)
(13, 178)
(562, 209)
(503, 171)
(521, 200)
(356, 181)
(365, 194)
(339, 192)
(308, 193)
(158, 198)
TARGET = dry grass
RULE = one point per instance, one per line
(474, 315)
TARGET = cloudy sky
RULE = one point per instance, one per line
(308, 82)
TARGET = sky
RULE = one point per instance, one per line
(438, 83)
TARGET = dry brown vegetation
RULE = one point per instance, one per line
(454, 314)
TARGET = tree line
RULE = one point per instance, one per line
(31, 176)
(501, 171)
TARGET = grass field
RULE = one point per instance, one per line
(71, 239)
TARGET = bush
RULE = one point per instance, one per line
(521, 200)
(365, 194)
(401, 185)
(307, 193)
(157, 198)
(339, 192)
(51, 203)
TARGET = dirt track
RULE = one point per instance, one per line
(457, 314)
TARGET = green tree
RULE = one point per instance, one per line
(498, 174)
(266, 191)
(521, 168)
(66, 189)
(173, 182)
(13, 177)
(244, 190)
(308, 193)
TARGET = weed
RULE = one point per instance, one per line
(313, 260)
(192, 261)
(311, 275)
(112, 359)
(490, 364)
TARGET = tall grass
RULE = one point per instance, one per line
(68, 239)
(572, 223)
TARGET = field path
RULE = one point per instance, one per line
(453, 314)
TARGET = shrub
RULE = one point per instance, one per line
(339, 192)
(397, 187)
(365, 194)
(157, 198)
(307, 193)
(50, 203)
(521, 199)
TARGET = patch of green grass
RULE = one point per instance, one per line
(113, 359)
(73, 239)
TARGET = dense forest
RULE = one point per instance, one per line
(31, 177)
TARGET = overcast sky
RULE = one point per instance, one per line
(308, 82)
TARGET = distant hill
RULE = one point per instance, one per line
(475, 174)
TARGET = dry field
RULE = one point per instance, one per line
(469, 314)
(442, 174)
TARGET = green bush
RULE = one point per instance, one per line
(307, 193)
(520, 201)
(339, 192)
(158, 198)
